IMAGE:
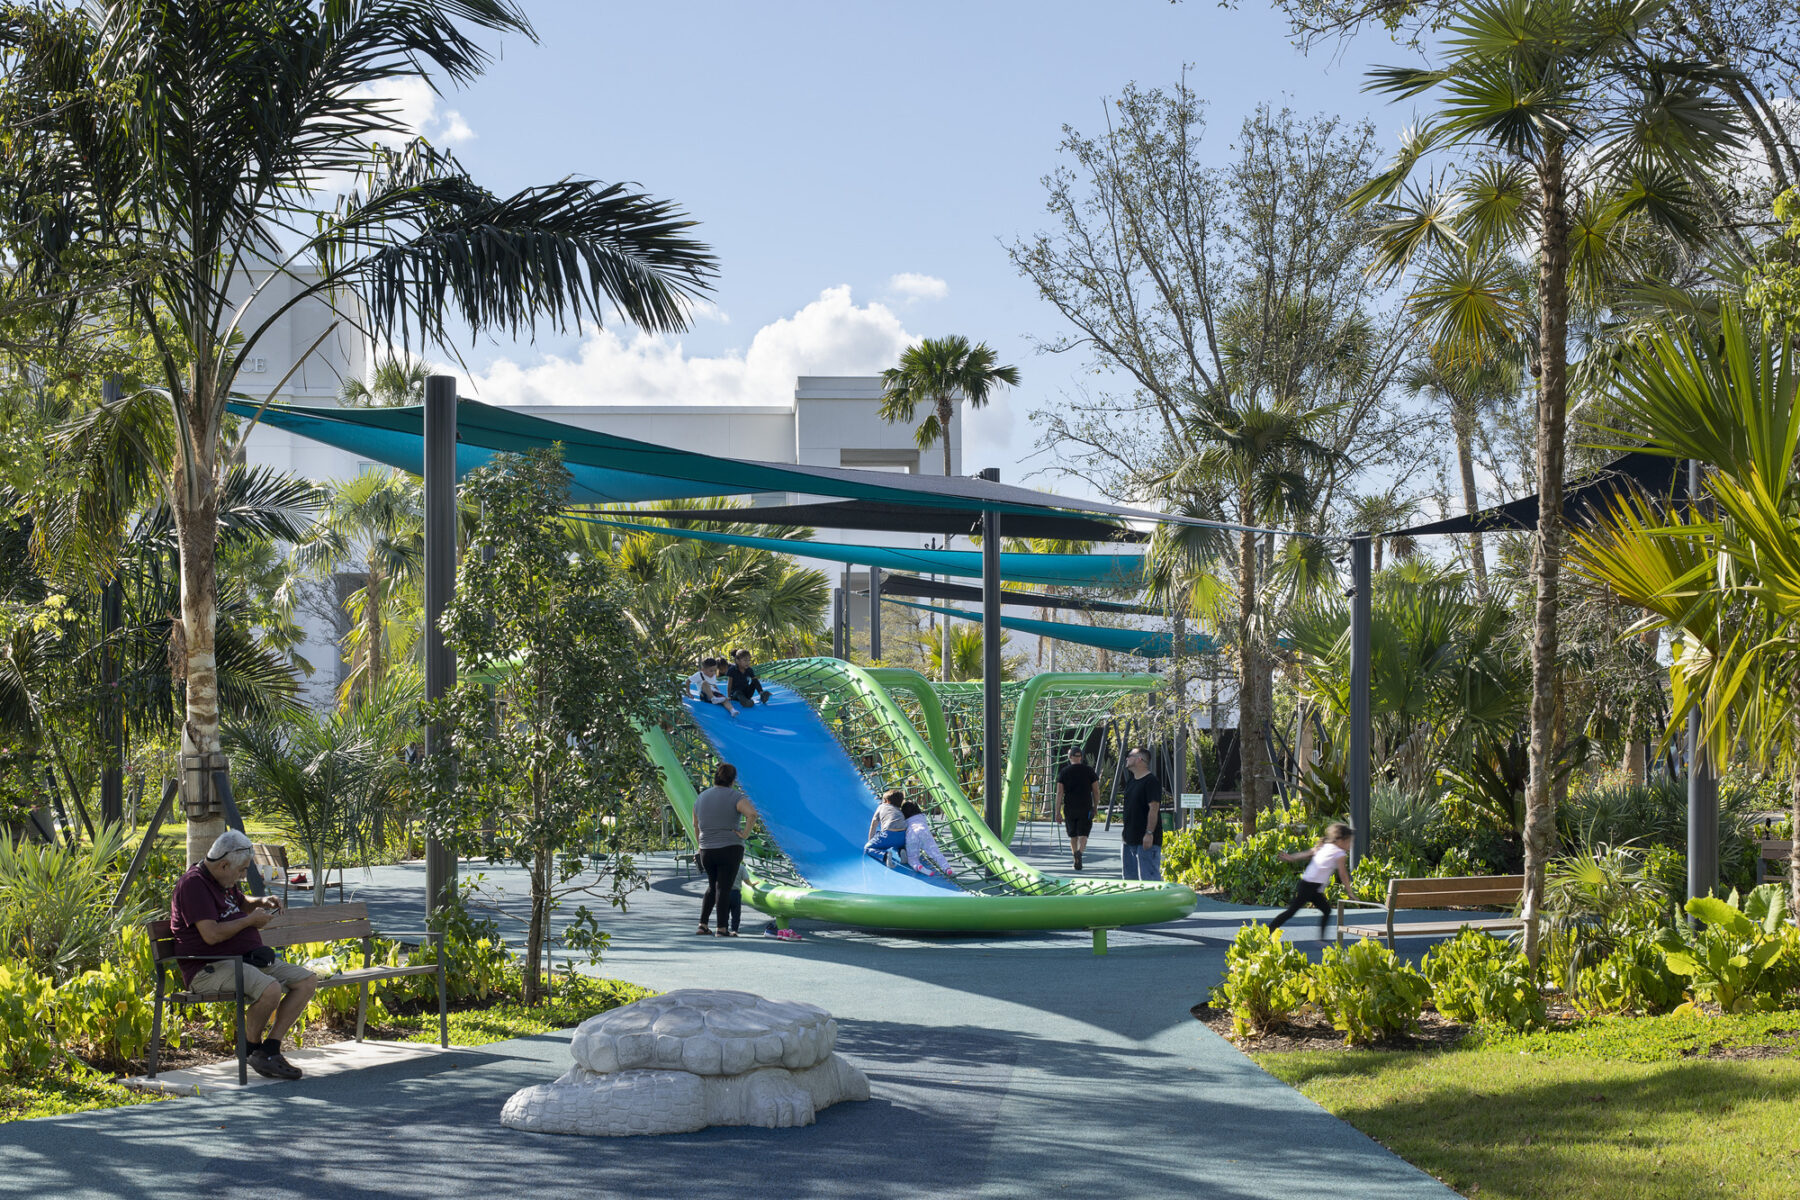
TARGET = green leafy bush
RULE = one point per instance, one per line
(103, 1015)
(1593, 900)
(1479, 978)
(1265, 980)
(1633, 978)
(27, 1020)
(56, 910)
(1729, 956)
(1366, 991)
(1252, 871)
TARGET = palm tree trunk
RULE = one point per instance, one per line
(1553, 307)
(1252, 757)
(945, 410)
(196, 534)
(372, 650)
(1462, 421)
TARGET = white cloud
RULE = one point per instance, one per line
(420, 111)
(914, 286)
(830, 336)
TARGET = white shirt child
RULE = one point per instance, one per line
(1324, 863)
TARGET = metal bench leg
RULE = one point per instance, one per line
(243, 1044)
(362, 1008)
(156, 1022)
(443, 995)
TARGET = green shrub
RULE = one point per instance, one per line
(1372, 873)
(1252, 871)
(1729, 956)
(104, 1015)
(1265, 980)
(56, 903)
(1368, 992)
(1633, 978)
(1479, 978)
(27, 1020)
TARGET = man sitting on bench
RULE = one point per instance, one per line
(210, 917)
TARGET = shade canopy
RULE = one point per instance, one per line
(937, 589)
(608, 469)
(880, 516)
(1066, 570)
(1144, 643)
(1594, 491)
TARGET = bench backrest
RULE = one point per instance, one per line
(313, 923)
(1457, 891)
(1777, 849)
(271, 857)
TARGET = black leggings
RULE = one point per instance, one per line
(1309, 893)
(721, 867)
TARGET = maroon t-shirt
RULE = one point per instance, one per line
(198, 897)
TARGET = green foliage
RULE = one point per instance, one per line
(1774, 287)
(1729, 955)
(56, 913)
(1251, 871)
(1368, 992)
(1592, 901)
(1479, 978)
(104, 1015)
(27, 1020)
(1265, 980)
(1632, 978)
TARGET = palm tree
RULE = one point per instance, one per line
(934, 375)
(1267, 459)
(397, 380)
(376, 519)
(185, 140)
(1591, 134)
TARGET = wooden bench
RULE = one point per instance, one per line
(272, 860)
(1771, 850)
(290, 927)
(1460, 891)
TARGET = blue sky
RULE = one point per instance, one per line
(855, 166)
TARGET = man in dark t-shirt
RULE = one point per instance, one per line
(1080, 788)
(213, 924)
(1142, 831)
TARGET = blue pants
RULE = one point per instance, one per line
(1143, 864)
(881, 843)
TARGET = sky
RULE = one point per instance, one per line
(856, 168)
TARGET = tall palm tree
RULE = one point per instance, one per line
(1589, 133)
(377, 521)
(185, 139)
(398, 379)
(934, 375)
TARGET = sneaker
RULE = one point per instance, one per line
(788, 935)
(1078, 860)
(273, 1065)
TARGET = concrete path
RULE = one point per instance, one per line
(1001, 1067)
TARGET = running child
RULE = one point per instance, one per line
(1330, 857)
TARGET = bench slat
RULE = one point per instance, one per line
(1433, 928)
(1457, 883)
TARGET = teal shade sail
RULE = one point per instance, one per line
(1070, 570)
(1145, 643)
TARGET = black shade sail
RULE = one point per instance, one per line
(913, 585)
(1654, 473)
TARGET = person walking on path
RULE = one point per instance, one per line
(742, 685)
(1142, 831)
(887, 828)
(723, 817)
(1330, 857)
(1080, 788)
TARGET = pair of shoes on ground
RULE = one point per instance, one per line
(782, 935)
(270, 1064)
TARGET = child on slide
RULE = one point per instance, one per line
(921, 847)
(887, 828)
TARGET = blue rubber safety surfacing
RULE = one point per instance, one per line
(808, 792)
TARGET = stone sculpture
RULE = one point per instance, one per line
(692, 1058)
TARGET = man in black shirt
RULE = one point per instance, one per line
(1080, 789)
(1142, 830)
(742, 685)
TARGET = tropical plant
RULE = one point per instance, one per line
(105, 1013)
(1595, 901)
(1594, 136)
(56, 903)
(550, 692)
(933, 375)
(27, 1021)
(397, 380)
(186, 140)
(1367, 992)
(1729, 955)
(967, 659)
(1632, 978)
(1476, 977)
(1265, 980)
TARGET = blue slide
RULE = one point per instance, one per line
(809, 794)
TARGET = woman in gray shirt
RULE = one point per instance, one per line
(716, 823)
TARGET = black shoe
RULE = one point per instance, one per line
(1078, 860)
(271, 1065)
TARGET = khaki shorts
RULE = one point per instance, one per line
(217, 981)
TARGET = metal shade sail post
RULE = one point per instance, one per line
(875, 614)
(993, 760)
(1703, 784)
(1357, 769)
(440, 585)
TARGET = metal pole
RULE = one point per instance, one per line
(1357, 770)
(837, 622)
(874, 614)
(112, 707)
(993, 753)
(440, 585)
(1703, 784)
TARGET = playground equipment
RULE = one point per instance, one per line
(813, 760)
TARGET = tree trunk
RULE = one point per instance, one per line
(373, 661)
(1553, 309)
(197, 534)
(1252, 754)
(1462, 419)
(534, 943)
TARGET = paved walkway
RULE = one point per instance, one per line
(1001, 1067)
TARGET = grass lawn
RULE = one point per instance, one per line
(511, 1019)
(56, 1095)
(1608, 1110)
